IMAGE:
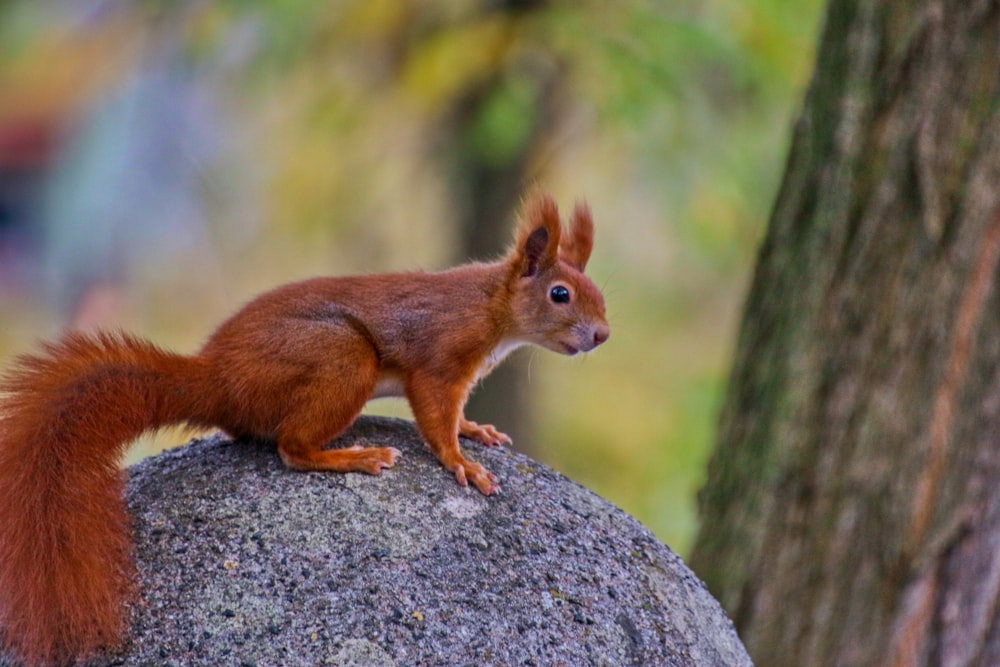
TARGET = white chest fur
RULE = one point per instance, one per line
(391, 384)
(499, 353)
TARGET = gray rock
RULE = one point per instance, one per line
(244, 562)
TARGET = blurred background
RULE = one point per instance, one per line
(162, 162)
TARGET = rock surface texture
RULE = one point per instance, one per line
(243, 562)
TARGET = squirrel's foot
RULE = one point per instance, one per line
(356, 458)
(484, 433)
(469, 471)
(372, 460)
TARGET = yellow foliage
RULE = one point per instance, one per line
(455, 59)
(377, 19)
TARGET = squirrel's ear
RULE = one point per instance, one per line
(575, 247)
(537, 241)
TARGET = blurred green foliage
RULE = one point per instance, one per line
(673, 123)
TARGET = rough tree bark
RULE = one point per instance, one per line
(852, 510)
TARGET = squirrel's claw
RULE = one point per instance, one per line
(373, 460)
(482, 479)
(484, 433)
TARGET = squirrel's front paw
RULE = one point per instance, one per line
(466, 471)
(484, 433)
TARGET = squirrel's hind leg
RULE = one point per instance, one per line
(329, 402)
(371, 460)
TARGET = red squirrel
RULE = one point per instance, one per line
(295, 365)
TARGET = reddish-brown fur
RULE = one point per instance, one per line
(296, 364)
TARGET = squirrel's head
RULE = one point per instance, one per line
(554, 304)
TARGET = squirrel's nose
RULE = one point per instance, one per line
(601, 334)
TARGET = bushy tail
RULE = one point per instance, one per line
(66, 417)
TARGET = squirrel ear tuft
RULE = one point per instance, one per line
(533, 251)
(575, 247)
(537, 240)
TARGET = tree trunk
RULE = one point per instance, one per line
(852, 510)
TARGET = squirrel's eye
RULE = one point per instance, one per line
(559, 294)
